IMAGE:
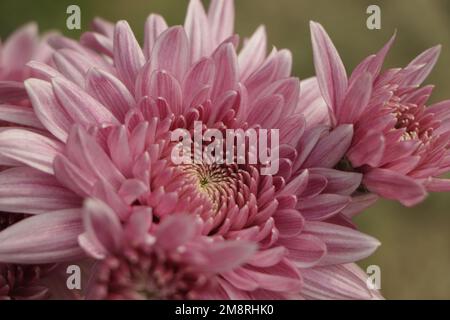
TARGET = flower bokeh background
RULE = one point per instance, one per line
(415, 254)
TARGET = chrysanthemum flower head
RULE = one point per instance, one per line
(163, 230)
(400, 144)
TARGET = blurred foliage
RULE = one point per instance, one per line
(414, 256)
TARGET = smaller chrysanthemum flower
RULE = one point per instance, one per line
(399, 144)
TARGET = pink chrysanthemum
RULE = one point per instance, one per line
(101, 181)
(400, 144)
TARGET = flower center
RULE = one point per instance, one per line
(213, 182)
(410, 118)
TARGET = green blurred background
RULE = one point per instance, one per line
(415, 252)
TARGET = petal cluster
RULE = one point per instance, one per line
(400, 144)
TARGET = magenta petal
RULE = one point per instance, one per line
(369, 150)
(356, 99)
(19, 115)
(268, 257)
(427, 60)
(339, 182)
(26, 190)
(138, 226)
(253, 53)
(102, 225)
(12, 91)
(331, 148)
(289, 222)
(17, 49)
(110, 91)
(198, 31)
(226, 256)
(128, 56)
(175, 231)
(80, 105)
(29, 148)
(226, 70)
(392, 185)
(330, 70)
(171, 53)
(322, 206)
(97, 42)
(344, 245)
(359, 204)
(45, 238)
(438, 185)
(47, 109)
(221, 20)
(154, 26)
(337, 283)
(305, 250)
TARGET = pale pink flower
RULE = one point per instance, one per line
(101, 181)
(400, 144)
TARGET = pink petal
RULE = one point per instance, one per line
(79, 105)
(102, 225)
(19, 47)
(73, 177)
(175, 231)
(200, 76)
(128, 56)
(428, 59)
(228, 255)
(359, 204)
(97, 42)
(356, 99)
(330, 70)
(154, 26)
(29, 148)
(103, 27)
(344, 245)
(12, 91)
(47, 108)
(391, 185)
(289, 222)
(253, 53)
(305, 250)
(336, 283)
(339, 182)
(331, 149)
(369, 150)
(221, 20)
(322, 206)
(268, 257)
(109, 91)
(197, 29)
(45, 238)
(138, 226)
(19, 115)
(26, 190)
(91, 157)
(171, 53)
(226, 70)
(438, 185)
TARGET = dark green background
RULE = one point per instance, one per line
(415, 252)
